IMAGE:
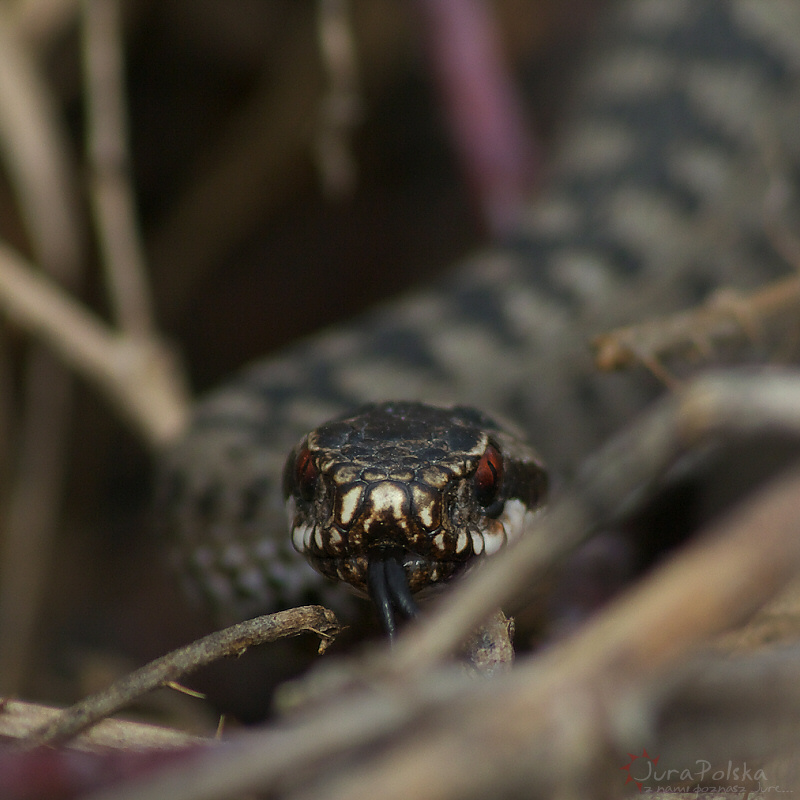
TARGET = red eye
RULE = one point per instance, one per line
(306, 474)
(488, 476)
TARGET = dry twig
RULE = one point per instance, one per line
(107, 147)
(138, 375)
(38, 159)
(232, 641)
(728, 318)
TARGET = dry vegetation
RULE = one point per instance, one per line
(135, 202)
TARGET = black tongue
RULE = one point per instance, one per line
(388, 588)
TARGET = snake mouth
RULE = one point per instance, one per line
(390, 576)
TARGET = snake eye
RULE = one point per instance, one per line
(305, 474)
(488, 476)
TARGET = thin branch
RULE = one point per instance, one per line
(232, 641)
(138, 375)
(107, 146)
(728, 318)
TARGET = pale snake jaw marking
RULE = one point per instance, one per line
(399, 497)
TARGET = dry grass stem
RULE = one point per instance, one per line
(107, 146)
(36, 154)
(19, 720)
(341, 107)
(138, 375)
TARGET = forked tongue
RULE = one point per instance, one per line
(388, 587)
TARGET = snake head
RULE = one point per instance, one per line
(399, 497)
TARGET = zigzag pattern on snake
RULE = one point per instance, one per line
(685, 111)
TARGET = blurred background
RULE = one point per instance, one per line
(291, 162)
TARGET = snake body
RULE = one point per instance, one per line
(683, 125)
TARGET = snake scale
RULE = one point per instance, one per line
(684, 117)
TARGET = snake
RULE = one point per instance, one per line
(402, 496)
(675, 164)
